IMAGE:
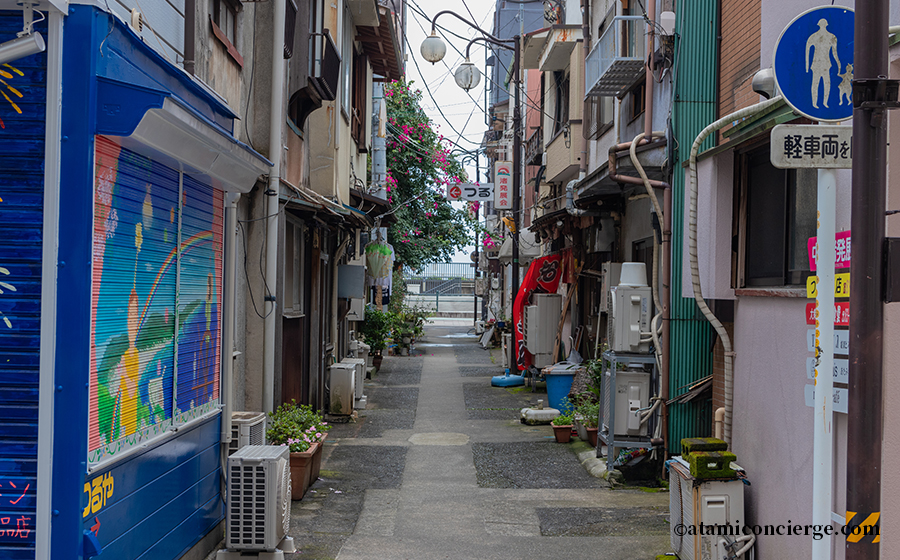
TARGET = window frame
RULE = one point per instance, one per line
(358, 113)
(294, 267)
(742, 228)
(347, 48)
(227, 35)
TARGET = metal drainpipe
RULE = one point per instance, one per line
(666, 309)
(613, 155)
(228, 305)
(586, 48)
(276, 121)
(648, 82)
(190, 47)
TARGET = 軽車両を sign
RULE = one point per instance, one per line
(814, 63)
(812, 146)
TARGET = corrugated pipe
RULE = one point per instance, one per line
(692, 250)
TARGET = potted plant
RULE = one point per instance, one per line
(562, 427)
(375, 330)
(588, 413)
(303, 431)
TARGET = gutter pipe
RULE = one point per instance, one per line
(692, 250)
(649, 80)
(190, 46)
(276, 122)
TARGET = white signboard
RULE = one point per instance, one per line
(483, 192)
(841, 342)
(503, 195)
(841, 370)
(839, 398)
(809, 145)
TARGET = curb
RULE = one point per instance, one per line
(595, 467)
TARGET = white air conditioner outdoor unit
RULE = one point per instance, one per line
(541, 323)
(357, 309)
(611, 272)
(342, 381)
(359, 399)
(711, 502)
(629, 316)
(632, 396)
(258, 503)
(247, 428)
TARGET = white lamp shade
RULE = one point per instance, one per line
(467, 76)
(433, 48)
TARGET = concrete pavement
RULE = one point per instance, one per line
(439, 467)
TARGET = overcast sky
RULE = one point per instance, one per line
(459, 116)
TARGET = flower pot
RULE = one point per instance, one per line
(580, 428)
(301, 469)
(562, 433)
(376, 361)
(316, 463)
(592, 436)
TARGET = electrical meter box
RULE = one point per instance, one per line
(629, 316)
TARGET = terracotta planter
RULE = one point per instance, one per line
(592, 436)
(301, 470)
(316, 464)
(563, 433)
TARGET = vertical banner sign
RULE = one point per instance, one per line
(503, 185)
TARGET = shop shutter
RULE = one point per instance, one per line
(133, 291)
(151, 302)
(199, 300)
(22, 119)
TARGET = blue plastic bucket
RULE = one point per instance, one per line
(559, 383)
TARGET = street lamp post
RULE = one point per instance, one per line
(467, 77)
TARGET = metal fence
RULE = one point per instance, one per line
(441, 279)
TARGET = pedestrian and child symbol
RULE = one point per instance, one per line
(808, 63)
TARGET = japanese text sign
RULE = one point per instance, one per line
(841, 250)
(812, 146)
(471, 191)
(503, 195)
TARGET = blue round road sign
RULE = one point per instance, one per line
(814, 63)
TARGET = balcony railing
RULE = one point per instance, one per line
(617, 60)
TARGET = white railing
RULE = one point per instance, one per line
(617, 60)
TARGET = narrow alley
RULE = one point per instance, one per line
(439, 466)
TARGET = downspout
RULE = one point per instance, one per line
(276, 122)
(586, 48)
(228, 305)
(190, 46)
(692, 250)
(649, 80)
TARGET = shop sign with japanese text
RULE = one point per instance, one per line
(503, 195)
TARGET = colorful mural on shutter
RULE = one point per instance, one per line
(22, 116)
(148, 304)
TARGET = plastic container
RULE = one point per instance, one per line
(559, 383)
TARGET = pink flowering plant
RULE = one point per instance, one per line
(420, 168)
(296, 426)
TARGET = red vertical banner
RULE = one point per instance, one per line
(542, 277)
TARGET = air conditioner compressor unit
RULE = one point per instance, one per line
(629, 316)
(247, 428)
(541, 323)
(359, 376)
(342, 386)
(632, 397)
(710, 502)
(258, 503)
